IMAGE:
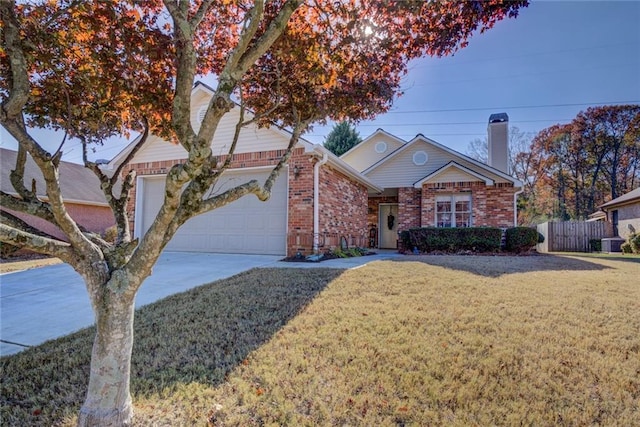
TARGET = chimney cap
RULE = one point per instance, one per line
(498, 117)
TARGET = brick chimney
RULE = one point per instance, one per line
(498, 131)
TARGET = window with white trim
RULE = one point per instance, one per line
(453, 210)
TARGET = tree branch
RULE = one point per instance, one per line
(17, 177)
(19, 80)
(253, 187)
(240, 60)
(36, 243)
(185, 72)
(17, 223)
(133, 152)
(200, 14)
(33, 207)
(276, 27)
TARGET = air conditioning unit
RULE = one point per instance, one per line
(612, 244)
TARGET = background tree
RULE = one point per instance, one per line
(342, 138)
(587, 162)
(519, 142)
(520, 161)
(96, 69)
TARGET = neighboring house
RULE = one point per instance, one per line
(429, 185)
(81, 192)
(317, 199)
(624, 213)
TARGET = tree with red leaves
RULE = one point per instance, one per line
(96, 69)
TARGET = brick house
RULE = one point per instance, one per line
(321, 201)
(317, 201)
(81, 192)
(429, 185)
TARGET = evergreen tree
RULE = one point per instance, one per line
(342, 138)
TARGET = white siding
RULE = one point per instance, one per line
(454, 175)
(364, 155)
(252, 138)
(400, 171)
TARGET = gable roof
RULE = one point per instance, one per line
(630, 197)
(377, 132)
(453, 165)
(279, 132)
(371, 149)
(421, 138)
(198, 87)
(78, 184)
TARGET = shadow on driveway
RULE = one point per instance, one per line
(196, 336)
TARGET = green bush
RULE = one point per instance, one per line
(430, 239)
(626, 248)
(521, 239)
(348, 253)
(595, 245)
(634, 242)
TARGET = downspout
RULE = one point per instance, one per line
(316, 201)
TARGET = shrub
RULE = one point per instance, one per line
(348, 253)
(521, 239)
(429, 239)
(634, 242)
(595, 245)
(626, 248)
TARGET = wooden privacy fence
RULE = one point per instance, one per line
(572, 236)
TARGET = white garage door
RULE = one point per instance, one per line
(246, 226)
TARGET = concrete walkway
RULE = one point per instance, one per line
(49, 302)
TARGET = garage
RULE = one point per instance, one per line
(246, 226)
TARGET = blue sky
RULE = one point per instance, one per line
(551, 55)
(553, 61)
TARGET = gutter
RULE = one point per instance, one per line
(316, 199)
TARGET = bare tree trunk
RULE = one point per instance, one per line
(108, 401)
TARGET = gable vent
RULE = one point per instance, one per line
(381, 147)
(420, 158)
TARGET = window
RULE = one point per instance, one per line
(453, 210)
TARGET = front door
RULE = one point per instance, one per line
(388, 226)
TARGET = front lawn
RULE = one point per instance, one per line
(433, 340)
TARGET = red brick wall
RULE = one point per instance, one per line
(343, 209)
(92, 218)
(491, 206)
(300, 219)
(409, 203)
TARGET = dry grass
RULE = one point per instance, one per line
(10, 266)
(198, 336)
(441, 340)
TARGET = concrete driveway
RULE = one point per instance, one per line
(49, 302)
